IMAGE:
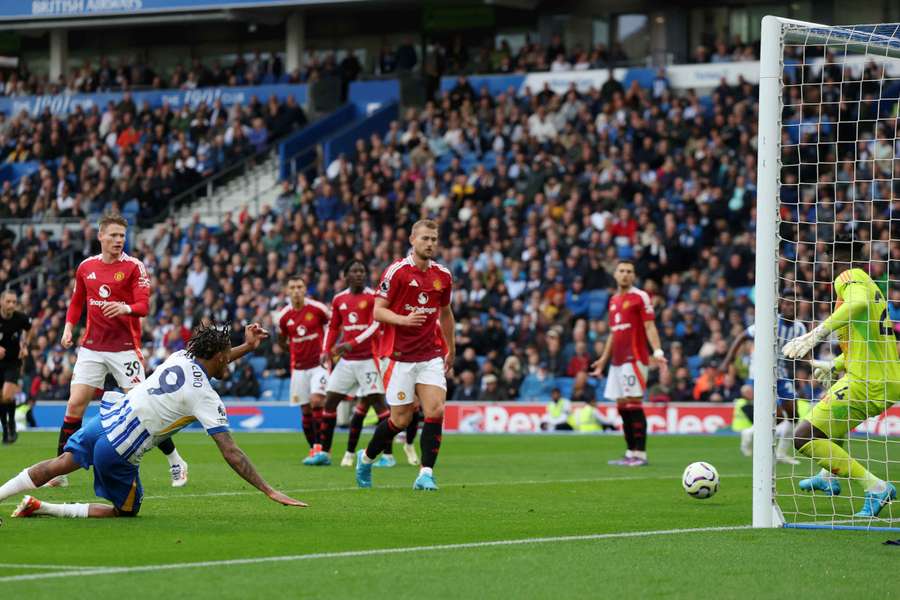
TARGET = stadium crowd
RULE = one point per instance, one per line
(452, 57)
(538, 197)
(129, 158)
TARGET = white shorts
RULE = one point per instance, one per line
(402, 378)
(359, 377)
(307, 382)
(91, 368)
(624, 382)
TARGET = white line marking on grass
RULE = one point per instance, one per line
(178, 496)
(50, 567)
(363, 553)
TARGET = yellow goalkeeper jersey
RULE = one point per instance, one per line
(870, 351)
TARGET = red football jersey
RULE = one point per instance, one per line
(99, 283)
(408, 289)
(351, 319)
(627, 314)
(304, 327)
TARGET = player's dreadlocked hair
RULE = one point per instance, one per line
(207, 340)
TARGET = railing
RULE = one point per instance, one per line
(206, 187)
(59, 265)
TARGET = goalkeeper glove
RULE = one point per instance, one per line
(822, 371)
(802, 344)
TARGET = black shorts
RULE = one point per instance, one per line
(11, 373)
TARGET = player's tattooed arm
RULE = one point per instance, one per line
(241, 464)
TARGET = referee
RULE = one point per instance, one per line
(15, 334)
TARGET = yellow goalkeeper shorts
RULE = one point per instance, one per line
(848, 403)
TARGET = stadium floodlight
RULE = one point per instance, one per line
(828, 165)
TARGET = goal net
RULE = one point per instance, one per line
(829, 167)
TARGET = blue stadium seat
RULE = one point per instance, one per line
(597, 303)
(270, 388)
(258, 363)
(694, 363)
(565, 385)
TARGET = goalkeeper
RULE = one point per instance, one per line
(869, 386)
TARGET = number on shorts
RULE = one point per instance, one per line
(370, 377)
(132, 368)
(630, 380)
(840, 393)
(164, 386)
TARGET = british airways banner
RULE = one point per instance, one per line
(63, 104)
(16, 10)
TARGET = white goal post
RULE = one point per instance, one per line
(790, 51)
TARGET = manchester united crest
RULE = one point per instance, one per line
(119, 276)
(363, 304)
(437, 285)
(309, 316)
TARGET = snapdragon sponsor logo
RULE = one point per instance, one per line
(49, 8)
(427, 310)
(305, 338)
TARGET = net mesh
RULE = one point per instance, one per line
(839, 176)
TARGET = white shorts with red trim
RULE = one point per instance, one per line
(91, 368)
(626, 381)
(401, 379)
(357, 377)
(306, 383)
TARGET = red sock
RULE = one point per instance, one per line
(69, 427)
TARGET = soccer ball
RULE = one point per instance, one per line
(700, 480)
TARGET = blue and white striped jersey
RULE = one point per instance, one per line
(174, 396)
(785, 331)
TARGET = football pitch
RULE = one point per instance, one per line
(527, 516)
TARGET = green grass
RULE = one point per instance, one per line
(493, 488)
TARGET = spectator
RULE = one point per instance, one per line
(467, 390)
(247, 385)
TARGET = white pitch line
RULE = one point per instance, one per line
(363, 553)
(50, 567)
(177, 496)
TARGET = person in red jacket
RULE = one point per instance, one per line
(116, 289)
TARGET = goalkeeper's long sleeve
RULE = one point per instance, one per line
(854, 307)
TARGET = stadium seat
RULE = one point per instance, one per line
(270, 388)
(565, 385)
(694, 364)
(598, 300)
(258, 363)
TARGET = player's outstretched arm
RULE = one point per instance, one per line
(254, 334)
(854, 307)
(241, 464)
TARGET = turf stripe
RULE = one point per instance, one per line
(179, 496)
(364, 553)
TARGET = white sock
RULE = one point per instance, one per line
(426, 471)
(18, 484)
(365, 459)
(874, 485)
(747, 436)
(783, 434)
(174, 458)
(639, 454)
(629, 454)
(71, 511)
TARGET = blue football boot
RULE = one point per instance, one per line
(385, 461)
(363, 471)
(425, 481)
(875, 502)
(831, 487)
(320, 459)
